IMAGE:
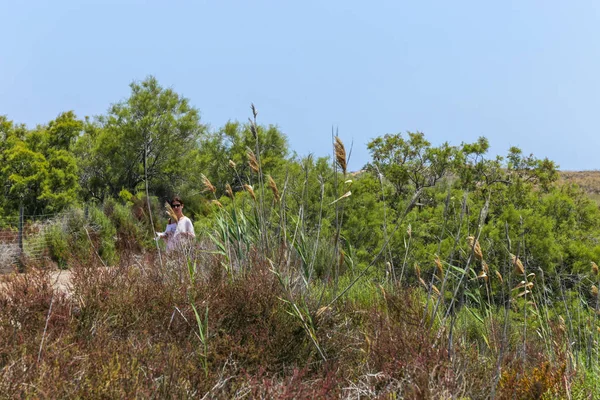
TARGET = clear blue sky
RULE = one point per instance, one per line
(523, 73)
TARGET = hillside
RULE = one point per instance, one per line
(587, 180)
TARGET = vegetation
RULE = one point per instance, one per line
(435, 272)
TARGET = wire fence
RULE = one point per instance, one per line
(24, 236)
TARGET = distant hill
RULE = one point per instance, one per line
(587, 180)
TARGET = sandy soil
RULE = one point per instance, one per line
(61, 280)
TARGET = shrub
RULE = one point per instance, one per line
(57, 243)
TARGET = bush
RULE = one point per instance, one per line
(130, 231)
(57, 243)
(102, 228)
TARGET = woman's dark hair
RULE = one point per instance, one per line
(176, 199)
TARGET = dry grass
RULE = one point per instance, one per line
(589, 181)
(130, 331)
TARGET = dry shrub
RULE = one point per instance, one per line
(413, 359)
(251, 320)
(530, 373)
(130, 331)
(533, 383)
(298, 384)
(28, 328)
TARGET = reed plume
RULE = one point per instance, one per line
(208, 186)
(250, 190)
(170, 212)
(252, 161)
(499, 276)
(519, 269)
(474, 244)
(347, 194)
(438, 264)
(229, 191)
(340, 154)
(273, 187)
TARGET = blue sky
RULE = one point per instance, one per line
(521, 73)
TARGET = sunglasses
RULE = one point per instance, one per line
(176, 205)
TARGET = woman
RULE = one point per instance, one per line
(181, 231)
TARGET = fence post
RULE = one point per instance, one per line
(21, 220)
(21, 228)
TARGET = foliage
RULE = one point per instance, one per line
(153, 135)
(434, 271)
(38, 167)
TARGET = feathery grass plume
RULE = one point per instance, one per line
(273, 187)
(435, 290)
(253, 129)
(485, 267)
(562, 326)
(523, 293)
(208, 187)
(232, 164)
(523, 284)
(594, 268)
(228, 190)
(250, 190)
(482, 275)
(499, 275)
(438, 264)
(340, 154)
(347, 194)
(519, 269)
(217, 203)
(409, 230)
(252, 161)
(418, 270)
(253, 122)
(594, 291)
(170, 212)
(529, 285)
(476, 248)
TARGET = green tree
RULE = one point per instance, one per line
(37, 167)
(154, 134)
(25, 171)
(410, 163)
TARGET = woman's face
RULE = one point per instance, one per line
(178, 208)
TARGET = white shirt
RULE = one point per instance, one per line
(176, 238)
